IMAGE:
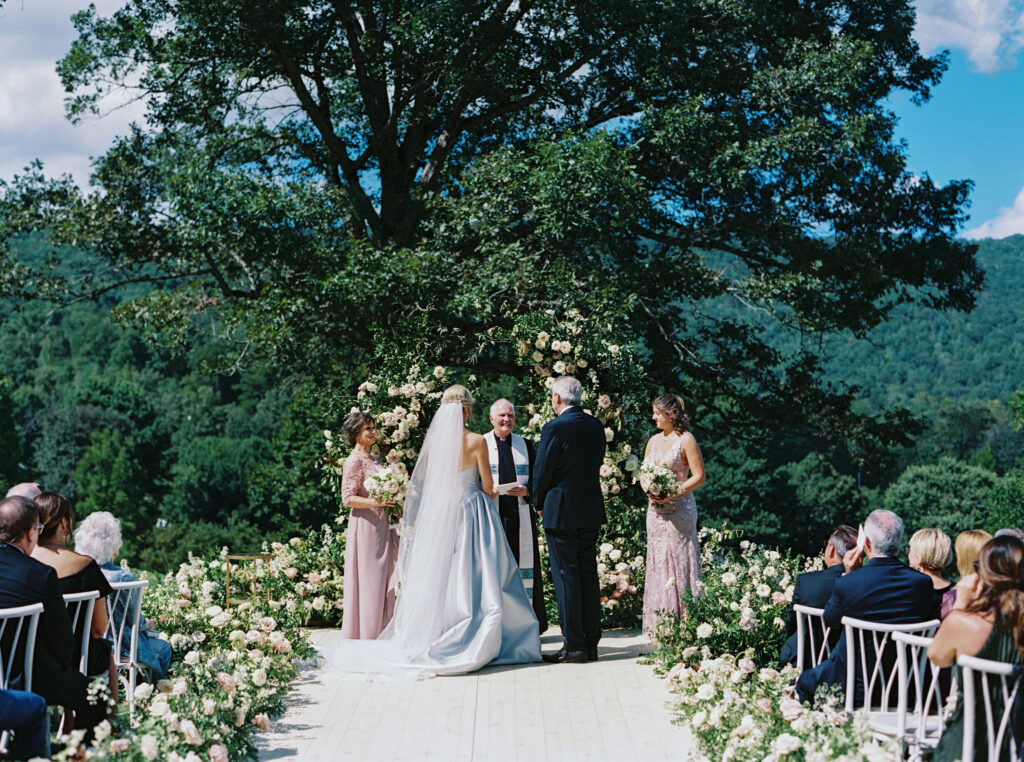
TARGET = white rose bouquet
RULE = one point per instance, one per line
(657, 480)
(387, 486)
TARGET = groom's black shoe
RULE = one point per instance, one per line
(591, 653)
(565, 657)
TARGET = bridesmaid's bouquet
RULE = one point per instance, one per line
(387, 486)
(657, 480)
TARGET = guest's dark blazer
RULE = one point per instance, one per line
(566, 482)
(813, 589)
(884, 591)
(23, 581)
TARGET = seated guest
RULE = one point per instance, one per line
(968, 547)
(99, 536)
(25, 714)
(815, 587)
(1011, 532)
(24, 581)
(929, 552)
(76, 574)
(881, 590)
(988, 622)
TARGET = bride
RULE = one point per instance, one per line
(461, 602)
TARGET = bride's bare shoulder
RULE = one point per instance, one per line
(472, 439)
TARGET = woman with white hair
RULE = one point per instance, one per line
(99, 536)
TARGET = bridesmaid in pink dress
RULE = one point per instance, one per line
(371, 547)
(673, 556)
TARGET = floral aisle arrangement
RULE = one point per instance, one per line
(745, 593)
(230, 671)
(740, 712)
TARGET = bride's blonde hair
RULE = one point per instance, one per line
(457, 393)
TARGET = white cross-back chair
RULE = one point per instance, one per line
(17, 634)
(80, 606)
(989, 679)
(924, 691)
(124, 607)
(871, 655)
(810, 628)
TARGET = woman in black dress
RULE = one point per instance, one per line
(76, 574)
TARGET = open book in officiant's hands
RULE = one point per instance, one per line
(503, 489)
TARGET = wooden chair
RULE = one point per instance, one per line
(990, 679)
(871, 655)
(17, 636)
(810, 628)
(124, 607)
(924, 691)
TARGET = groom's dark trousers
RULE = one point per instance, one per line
(567, 486)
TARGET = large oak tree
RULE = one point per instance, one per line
(330, 183)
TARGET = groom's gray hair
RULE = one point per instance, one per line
(569, 389)
(502, 401)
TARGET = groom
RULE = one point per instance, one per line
(568, 493)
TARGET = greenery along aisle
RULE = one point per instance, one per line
(404, 398)
(721, 663)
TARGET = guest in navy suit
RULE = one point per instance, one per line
(567, 487)
(882, 590)
(814, 588)
(23, 581)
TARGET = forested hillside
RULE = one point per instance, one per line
(191, 458)
(975, 355)
(186, 458)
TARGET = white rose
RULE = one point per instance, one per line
(763, 590)
(559, 367)
(705, 630)
(786, 744)
(615, 555)
(209, 705)
(191, 658)
(259, 678)
(149, 746)
(609, 435)
(143, 690)
(699, 717)
(728, 578)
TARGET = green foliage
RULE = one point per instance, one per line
(162, 548)
(10, 437)
(949, 494)
(1005, 503)
(745, 589)
(108, 478)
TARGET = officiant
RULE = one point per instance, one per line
(511, 459)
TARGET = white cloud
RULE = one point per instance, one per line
(34, 34)
(990, 32)
(1009, 221)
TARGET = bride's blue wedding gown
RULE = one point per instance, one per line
(486, 616)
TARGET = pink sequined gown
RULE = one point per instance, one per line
(371, 549)
(673, 558)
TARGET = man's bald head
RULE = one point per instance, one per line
(17, 516)
(25, 489)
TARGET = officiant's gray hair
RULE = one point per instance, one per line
(502, 401)
(569, 389)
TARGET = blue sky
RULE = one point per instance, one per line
(970, 129)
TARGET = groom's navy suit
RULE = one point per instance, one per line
(567, 486)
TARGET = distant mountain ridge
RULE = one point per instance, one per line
(977, 355)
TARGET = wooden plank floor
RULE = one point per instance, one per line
(612, 709)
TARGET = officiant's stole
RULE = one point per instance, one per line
(521, 458)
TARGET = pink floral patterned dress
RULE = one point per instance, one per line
(371, 549)
(673, 557)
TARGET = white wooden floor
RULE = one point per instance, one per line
(612, 709)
